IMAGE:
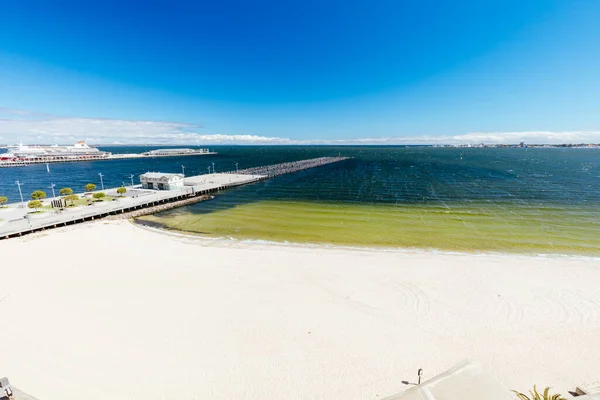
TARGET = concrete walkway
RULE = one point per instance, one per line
(18, 219)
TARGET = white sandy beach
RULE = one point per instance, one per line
(109, 310)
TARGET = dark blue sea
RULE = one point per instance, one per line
(455, 198)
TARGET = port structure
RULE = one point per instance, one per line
(6, 160)
(18, 221)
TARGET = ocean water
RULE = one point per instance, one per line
(117, 172)
(458, 199)
(504, 200)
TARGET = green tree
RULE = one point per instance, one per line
(65, 191)
(98, 196)
(34, 204)
(3, 200)
(90, 187)
(38, 195)
(121, 191)
(72, 198)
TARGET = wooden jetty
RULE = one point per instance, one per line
(196, 188)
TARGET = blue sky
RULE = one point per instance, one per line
(387, 71)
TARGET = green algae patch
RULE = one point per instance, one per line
(470, 227)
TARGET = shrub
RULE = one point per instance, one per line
(90, 187)
(65, 191)
(3, 200)
(72, 198)
(121, 191)
(99, 195)
(535, 395)
(34, 204)
(38, 195)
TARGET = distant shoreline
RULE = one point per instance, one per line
(471, 145)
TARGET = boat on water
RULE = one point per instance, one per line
(23, 155)
(177, 152)
(44, 154)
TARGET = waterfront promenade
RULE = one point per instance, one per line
(17, 219)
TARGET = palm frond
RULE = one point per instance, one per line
(535, 395)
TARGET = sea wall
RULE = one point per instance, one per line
(159, 208)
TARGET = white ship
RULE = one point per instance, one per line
(177, 152)
(22, 155)
(79, 151)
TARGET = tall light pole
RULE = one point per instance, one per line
(236, 168)
(52, 187)
(208, 169)
(213, 167)
(20, 193)
(183, 170)
(131, 177)
(101, 181)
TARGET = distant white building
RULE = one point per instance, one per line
(161, 181)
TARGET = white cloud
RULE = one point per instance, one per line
(531, 137)
(32, 127)
(534, 137)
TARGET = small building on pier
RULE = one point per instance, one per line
(161, 181)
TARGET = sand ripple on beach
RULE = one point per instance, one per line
(157, 313)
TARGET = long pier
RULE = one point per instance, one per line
(15, 220)
(289, 167)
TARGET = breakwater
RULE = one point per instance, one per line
(159, 208)
(290, 167)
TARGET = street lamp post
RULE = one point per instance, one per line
(236, 168)
(131, 177)
(20, 193)
(208, 168)
(183, 170)
(213, 167)
(101, 181)
(52, 187)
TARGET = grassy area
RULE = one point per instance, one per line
(86, 201)
(83, 202)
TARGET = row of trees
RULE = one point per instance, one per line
(66, 193)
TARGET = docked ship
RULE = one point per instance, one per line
(23, 154)
(177, 152)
